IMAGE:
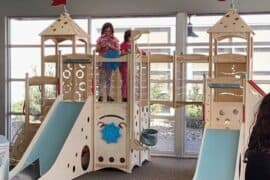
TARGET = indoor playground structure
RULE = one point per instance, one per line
(230, 103)
(77, 134)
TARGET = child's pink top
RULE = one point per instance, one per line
(107, 39)
(125, 46)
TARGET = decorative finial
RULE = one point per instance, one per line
(65, 9)
(60, 2)
(232, 4)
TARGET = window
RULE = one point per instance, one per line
(160, 40)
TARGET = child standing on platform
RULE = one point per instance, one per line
(106, 43)
(125, 48)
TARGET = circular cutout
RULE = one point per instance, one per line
(69, 67)
(66, 74)
(67, 88)
(122, 160)
(221, 112)
(74, 169)
(235, 111)
(111, 159)
(100, 159)
(82, 86)
(227, 121)
(85, 158)
(78, 95)
(82, 66)
(79, 74)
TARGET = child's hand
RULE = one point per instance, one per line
(110, 46)
(103, 44)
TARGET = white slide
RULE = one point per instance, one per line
(47, 145)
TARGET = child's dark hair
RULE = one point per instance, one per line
(127, 35)
(260, 137)
(105, 26)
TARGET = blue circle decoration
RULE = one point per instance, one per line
(110, 133)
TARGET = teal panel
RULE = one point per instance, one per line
(218, 155)
(53, 136)
(220, 85)
(4, 167)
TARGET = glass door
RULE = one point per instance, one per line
(192, 112)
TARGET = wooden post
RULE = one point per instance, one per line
(94, 105)
(73, 44)
(60, 72)
(27, 99)
(249, 67)
(174, 80)
(210, 73)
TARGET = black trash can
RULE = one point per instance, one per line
(149, 137)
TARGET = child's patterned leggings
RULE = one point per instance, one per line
(105, 76)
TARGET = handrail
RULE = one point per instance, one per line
(256, 87)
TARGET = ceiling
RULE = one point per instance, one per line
(129, 7)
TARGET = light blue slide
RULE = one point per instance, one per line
(53, 135)
(218, 155)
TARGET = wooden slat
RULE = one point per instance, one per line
(78, 56)
(48, 101)
(143, 102)
(230, 58)
(184, 103)
(158, 58)
(193, 58)
(221, 36)
(38, 80)
(178, 103)
(50, 59)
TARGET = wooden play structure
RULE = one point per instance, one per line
(224, 100)
(63, 29)
(229, 102)
(81, 135)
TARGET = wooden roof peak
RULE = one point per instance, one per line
(231, 22)
(64, 25)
